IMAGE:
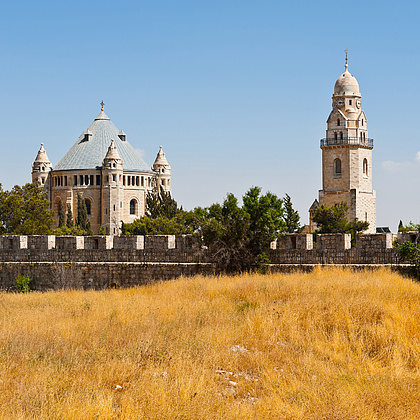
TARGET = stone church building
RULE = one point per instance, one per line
(106, 170)
(347, 155)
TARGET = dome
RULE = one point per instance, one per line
(346, 84)
(93, 145)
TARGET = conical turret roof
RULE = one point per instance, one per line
(42, 157)
(89, 151)
(161, 158)
(112, 152)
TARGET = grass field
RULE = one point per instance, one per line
(333, 344)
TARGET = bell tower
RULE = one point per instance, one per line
(347, 154)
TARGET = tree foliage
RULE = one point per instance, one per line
(61, 215)
(238, 237)
(69, 219)
(408, 228)
(291, 217)
(157, 226)
(159, 203)
(409, 252)
(82, 220)
(334, 220)
(25, 211)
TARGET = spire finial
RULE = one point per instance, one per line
(102, 105)
(346, 65)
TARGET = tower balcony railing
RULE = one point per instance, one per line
(352, 141)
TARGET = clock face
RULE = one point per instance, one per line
(358, 103)
(339, 102)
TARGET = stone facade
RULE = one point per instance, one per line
(347, 154)
(107, 172)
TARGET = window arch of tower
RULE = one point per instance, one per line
(365, 167)
(337, 167)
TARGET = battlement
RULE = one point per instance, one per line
(178, 243)
(107, 242)
(98, 262)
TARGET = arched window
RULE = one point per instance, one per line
(58, 205)
(133, 206)
(337, 167)
(335, 136)
(341, 135)
(88, 206)
(338, 122)
(365, 167)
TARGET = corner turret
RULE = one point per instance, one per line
(41, 167)
(163, 169)
(112, 170)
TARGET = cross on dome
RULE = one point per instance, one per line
(102, 105)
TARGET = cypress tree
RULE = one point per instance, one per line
(82, 220)
(61, 215)
(69, 221)
(291, 216)
(400, 226)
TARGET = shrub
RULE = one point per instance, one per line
(23, 282)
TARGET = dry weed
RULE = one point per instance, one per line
(333, 344)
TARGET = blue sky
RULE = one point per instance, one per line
(237, 92)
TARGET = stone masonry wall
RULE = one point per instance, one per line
(99, 262)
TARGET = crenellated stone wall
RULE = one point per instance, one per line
(105, 261)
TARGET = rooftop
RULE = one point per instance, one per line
(92, 146)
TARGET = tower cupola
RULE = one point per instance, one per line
(346, 84)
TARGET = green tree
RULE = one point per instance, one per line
(400, 226)
(61, 215)
(82, 220)
(224, 231)
(69, 220)
(159, 203)
(291, 217)
(409, 252)
(334, 220)
(25, 211)
(239, 237)
(266, 214)
(157, 226)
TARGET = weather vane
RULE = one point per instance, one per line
(346, 51)
(102, 105)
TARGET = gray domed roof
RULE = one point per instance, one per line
(92, 146)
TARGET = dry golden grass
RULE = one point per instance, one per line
(333, 344)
